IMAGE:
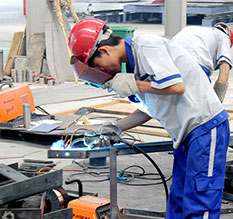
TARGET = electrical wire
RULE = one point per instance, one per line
(152, 161)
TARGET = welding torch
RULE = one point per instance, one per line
(94, 140)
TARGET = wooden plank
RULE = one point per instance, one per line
(15, 50)
(92, 106)
(56, 51)
(35, 52)
(22, 46)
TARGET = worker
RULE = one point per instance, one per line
(210, 47)
(173, 90)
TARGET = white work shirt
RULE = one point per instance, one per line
(207, 45)
(164, 64)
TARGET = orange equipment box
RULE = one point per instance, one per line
(12, 98)
(91, 207)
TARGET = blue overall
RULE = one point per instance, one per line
(199, 172)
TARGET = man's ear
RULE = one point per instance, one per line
(104, 50)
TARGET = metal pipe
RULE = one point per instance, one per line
(1, 65)
(27, 115)
(113, 184)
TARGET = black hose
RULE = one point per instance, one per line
(153, 163)
(80, 185)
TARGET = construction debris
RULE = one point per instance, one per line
(46, 58)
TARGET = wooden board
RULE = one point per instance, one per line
(56, 49)
(115, 110)
(15, 49)
(111, 112)
(35, 52)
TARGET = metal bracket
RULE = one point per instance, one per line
(31, 186)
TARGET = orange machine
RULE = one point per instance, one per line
(12, 98)
(90, 207)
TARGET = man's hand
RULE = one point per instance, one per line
(124, 84)
(220, 89)
(108, 128)
(102, 136)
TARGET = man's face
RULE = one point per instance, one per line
(108, 62)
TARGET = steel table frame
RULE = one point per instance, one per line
(191, 9)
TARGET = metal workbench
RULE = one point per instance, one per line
(212, 12)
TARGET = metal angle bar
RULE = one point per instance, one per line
(137, 213)
(84, 153)
(68, 154)
(11, 173)
(126, 150)
(113, 184)
(60, 214)
(104, 151)
(31, 186)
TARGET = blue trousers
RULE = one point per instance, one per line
(198, 176)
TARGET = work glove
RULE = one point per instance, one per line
(109, 128)
(105, 135)
(220, 89)
(124, 84)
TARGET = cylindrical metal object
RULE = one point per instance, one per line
(50, 82)
(20, 76)
(30, 78)
(1, 65)
(14, 74)
(27, 115)
(41, 80)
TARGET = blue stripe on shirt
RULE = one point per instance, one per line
(225, 58)
(144, 77)
(166, 79)
(207, 72)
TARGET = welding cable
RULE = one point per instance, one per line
(149, 176)
(45, 170)
(79, 164)
(139, 176)
(144, 184)
(101, 180)
(152, 161)
(124, 172)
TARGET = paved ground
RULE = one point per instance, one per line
(61, 98)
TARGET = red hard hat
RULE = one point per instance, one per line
(226, 29)
(84, 37)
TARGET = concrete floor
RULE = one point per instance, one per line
(69, 96)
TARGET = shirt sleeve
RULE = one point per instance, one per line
(157, 62)
(223, 52)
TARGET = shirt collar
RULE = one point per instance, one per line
(128, 47)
